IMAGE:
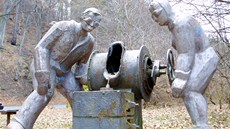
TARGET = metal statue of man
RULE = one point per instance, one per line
(65, 44)
(196, 61)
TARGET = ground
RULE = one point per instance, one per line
(154, 117)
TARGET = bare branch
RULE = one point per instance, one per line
(224, 1)
(2, 15)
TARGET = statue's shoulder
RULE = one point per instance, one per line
(69, 22)
(65, 25)
(183, 21)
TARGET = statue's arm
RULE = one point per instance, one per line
(82, 66)
(80, 53)
(42, 58)
(185, 46)
(88, 52)
(42, 50)
(184, 43)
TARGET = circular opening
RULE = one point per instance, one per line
(148, 81)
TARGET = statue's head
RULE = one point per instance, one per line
(161, 11)
(90, 19)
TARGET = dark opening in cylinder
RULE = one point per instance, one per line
(148, 81)
(114, 58)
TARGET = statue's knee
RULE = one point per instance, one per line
(193, 95)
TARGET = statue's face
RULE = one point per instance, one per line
(91, 21)
(159, 13)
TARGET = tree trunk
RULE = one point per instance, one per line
(15, 31)
(6, 10)
(2, 31)
(7, 7)
(25, 31)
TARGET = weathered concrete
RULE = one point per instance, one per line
(108, 109)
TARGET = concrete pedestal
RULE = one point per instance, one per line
(113, 109)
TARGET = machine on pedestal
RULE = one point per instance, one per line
(118, 81)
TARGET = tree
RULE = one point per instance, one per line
(15, 31)
(8, 6)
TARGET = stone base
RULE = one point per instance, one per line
(106, 109)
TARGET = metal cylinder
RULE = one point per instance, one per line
(133, 70)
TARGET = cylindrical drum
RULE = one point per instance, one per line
(128, 70)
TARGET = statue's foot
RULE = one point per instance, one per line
(14, 125)
(200, 127)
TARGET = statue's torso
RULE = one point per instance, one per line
(65, 42)
(70, 37)
(64, 45)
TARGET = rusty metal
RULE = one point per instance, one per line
(135, 70)
(132, 71)
(170, 66)
(118, 81)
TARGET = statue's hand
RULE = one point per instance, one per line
(42, 77)
(178, 86)
(152, 7)
(81, 73)
(82, 79)
(60, 70)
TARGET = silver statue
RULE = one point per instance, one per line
(65, 44)
(196, 61)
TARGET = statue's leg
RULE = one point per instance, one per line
(32, 107)
(196, 106)
(196, 103)
(193, 96)
(68, 85)
(30, 110)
